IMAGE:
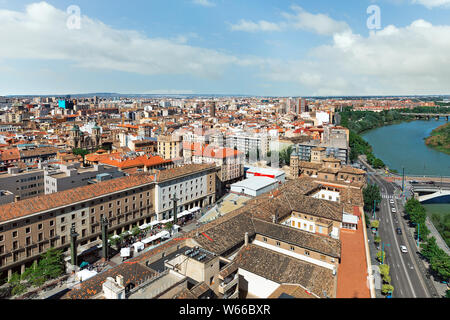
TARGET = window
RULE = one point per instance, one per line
(63, 239)
(52, 223)
(292, 248)
(28, 230)
(306, 253)
(264, 239)
(63, 228)
(278, 243)
(14, 234)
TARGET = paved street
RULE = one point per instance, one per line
(406, 269)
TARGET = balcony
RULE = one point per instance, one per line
(228, 282)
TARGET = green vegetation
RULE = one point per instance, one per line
(442, 224)
(381, 256)
(387, 288)
(360, 121)
(443, 108)
(371, 193)
(50, 266)
(439, 138)
(375, 224)
(439, 260)
(417, 216)
(285, 155)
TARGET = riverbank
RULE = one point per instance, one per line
(402, 146)
(440, 139)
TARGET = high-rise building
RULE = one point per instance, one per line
(212, 109)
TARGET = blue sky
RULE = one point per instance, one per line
(276, 48)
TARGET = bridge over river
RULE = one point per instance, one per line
(427, 115)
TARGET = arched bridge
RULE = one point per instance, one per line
(427, 115)
(431, 194)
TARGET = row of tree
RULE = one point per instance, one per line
(50, 266)
(360, 121)
(439, 260)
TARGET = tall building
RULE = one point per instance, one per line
(212, 109)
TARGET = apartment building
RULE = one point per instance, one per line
(69, 176)
(194, 185)
(170, 146)
(31, 226)
(23, 183)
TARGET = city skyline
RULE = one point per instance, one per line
(215, 47)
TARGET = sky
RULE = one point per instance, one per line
(231, 47)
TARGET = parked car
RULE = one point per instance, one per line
(398, 230)
(403, 249)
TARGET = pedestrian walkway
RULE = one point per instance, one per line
(440, 242)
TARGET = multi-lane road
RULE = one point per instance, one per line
(408, 275)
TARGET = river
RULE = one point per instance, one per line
(403, 145)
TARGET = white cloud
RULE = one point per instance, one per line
(41, 33)
(300, 20)
(433, 3)
(318, 23)
(409, 60)
(204, 3)
(250, 26)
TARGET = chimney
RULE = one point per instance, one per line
(246, 239)
(119, 280)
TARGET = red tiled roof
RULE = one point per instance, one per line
(46, 202)
(352, 275)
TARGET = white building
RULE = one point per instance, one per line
(254, 186)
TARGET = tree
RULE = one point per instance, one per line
(381, 256)
(168, 226)
(375, 224)
(447, 294)
(378, 163)
(371, 193)
(387, 288)
(16, 284)
(285, 155)
(51, 265)
(80, 152)
(384, 269)
(441, 265)
(135, 231)
(377, 240)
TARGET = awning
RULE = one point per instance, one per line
(138, 246)
(125, 252)
(162, 234)
(144, 226)
(85, 274)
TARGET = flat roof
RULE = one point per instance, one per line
(255, 183)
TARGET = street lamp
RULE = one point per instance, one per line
(374, 206)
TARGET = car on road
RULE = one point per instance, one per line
(398, 230)
(430, 182)
(393, 210)
(413, 182)
(391, 201)
(403, 249)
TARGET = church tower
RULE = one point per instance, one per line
(294, 163)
